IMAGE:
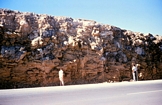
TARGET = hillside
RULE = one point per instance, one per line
(34, 47)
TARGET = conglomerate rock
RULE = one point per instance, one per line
(34, 47)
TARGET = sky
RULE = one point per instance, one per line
(143, 16)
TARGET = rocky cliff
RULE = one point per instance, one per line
(34, 47)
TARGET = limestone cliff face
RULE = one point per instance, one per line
(34, 47)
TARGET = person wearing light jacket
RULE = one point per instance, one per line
(61, 77)
(134, 72)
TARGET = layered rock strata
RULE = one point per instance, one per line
(34, 47)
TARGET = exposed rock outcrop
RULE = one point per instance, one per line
(34, 47)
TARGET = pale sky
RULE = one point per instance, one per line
(136, 15)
